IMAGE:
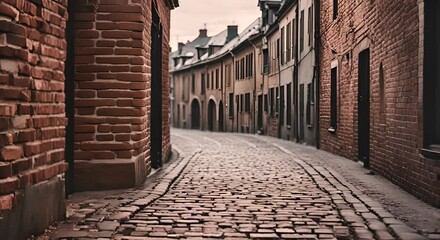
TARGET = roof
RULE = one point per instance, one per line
(219, 40)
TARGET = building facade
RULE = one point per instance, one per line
(83, 95)
(254, 82)
(379, 89)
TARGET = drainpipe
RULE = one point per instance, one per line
(279, 92)
(222, 86)
(317, 68)
(255, 83)
(295, 76)
(233, 89)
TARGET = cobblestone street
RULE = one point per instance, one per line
(230, 186)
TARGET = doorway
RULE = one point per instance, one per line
(220, 117)
(156, 91)
(301, 113)
(211, 115)
(195, 114)
(364, 107)
(260, 113)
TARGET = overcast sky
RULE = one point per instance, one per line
(191, 16)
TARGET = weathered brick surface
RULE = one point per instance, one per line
(113, 86)
(390, 29)
(32, 115)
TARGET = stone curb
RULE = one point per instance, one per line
(377, 222)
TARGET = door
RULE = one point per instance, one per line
(220, 117)
(364, 107)
(195, 114)
(156, 92)
(211, 115)
(260, 113)
(301, 113)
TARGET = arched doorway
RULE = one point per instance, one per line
(220, 117)
(195, 114)
(211, 115)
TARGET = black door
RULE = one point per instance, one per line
(260, 113)
(195, 115)
(364, 107)
(156, 91)
(211, 115)
(220, 117)
(301, 113)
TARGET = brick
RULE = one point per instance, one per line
(10, 153)
(8, 185)
(6, 202)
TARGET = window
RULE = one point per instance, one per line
(217, 75)
(272, 101)
(183, 89)
(431, 88)
(283, 45)
(237, 102)
(231, 105)
(309, 105)
(266, 105)
(184, 112)
(301, 32)
(265, 61)
(212, 80)
(251, 65)
(242, 68)
(294, 37)
(228, 74)
(193, 83)
(282, 105)
(207, 81)
(289, 42)
(277, 101)
(237, 70)
(335, 9)
(289, 104)
(247, 103)
(310, 26)
(241, 102)
(203, 87)
(333, 99)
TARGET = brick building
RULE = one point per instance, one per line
(379, 68)
(80, 101)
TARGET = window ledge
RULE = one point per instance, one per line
(332, 130)
(431, 153)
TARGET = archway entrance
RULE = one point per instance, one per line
(211, 115)
(195, 114)
(221, 127)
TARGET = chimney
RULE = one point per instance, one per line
(180, 47)
(232, 32)
(203, 33)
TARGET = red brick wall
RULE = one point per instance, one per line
(32, 114)
(112, 96)
(390, 29)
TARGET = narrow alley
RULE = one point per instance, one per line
(233, 186)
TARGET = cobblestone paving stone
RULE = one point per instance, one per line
(229, 186)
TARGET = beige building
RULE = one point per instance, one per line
(258, 81)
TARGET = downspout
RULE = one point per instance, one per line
(278, 99)
(317, 69)
(205, 105)
(222, 86)
(233, 90)
(255, 83)
(295, 75)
